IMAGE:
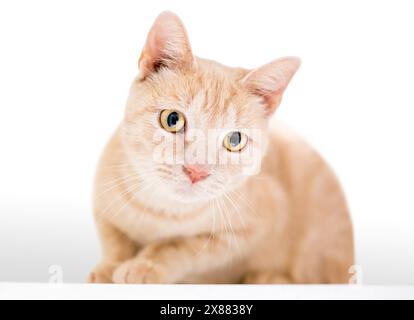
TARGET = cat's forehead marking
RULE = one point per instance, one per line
(214, 113)
(196, 111)
(198, 102)
(231, 116)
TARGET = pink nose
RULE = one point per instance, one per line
(195, 172)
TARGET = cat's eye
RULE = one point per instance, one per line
(235, 141)
(172, 120)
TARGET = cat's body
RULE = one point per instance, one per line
(287, 224)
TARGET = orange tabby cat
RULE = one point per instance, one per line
(195, 186)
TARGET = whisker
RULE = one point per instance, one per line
(123, 179)
(128, 202)
(120, 196)
(246, 201)
(237, 210)
(226, 214)
(212, 231)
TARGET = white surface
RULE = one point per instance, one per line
(65, 70)
(201, 292)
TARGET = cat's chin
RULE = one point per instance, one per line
(192, 193)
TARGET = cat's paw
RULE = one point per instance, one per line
(140, 270)
(102, 273)
(266, 277)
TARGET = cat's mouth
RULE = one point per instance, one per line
(187, 191)
(190, 188)
(190, 183)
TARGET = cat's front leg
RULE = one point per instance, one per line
(171, 261)
(116, 248)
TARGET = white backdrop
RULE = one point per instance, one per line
(65, 70)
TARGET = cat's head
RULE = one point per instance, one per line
(193, 128)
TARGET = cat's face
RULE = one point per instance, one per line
(195, 129)
(195, 134)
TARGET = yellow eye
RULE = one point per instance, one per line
(235, 141)
(172, 120)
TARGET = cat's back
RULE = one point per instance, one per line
(307, 179)
(301, 198)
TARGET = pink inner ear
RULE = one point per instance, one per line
(271, 80)
(272, 101)
(167, 45)
(152, 54)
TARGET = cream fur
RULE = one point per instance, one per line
(287, 224)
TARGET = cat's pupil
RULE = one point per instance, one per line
(235, 139)
(172, 119)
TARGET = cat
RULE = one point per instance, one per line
(257, 205)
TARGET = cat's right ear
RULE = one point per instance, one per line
(167, 46)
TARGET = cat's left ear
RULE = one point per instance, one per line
(271, 80)
(167, 46)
